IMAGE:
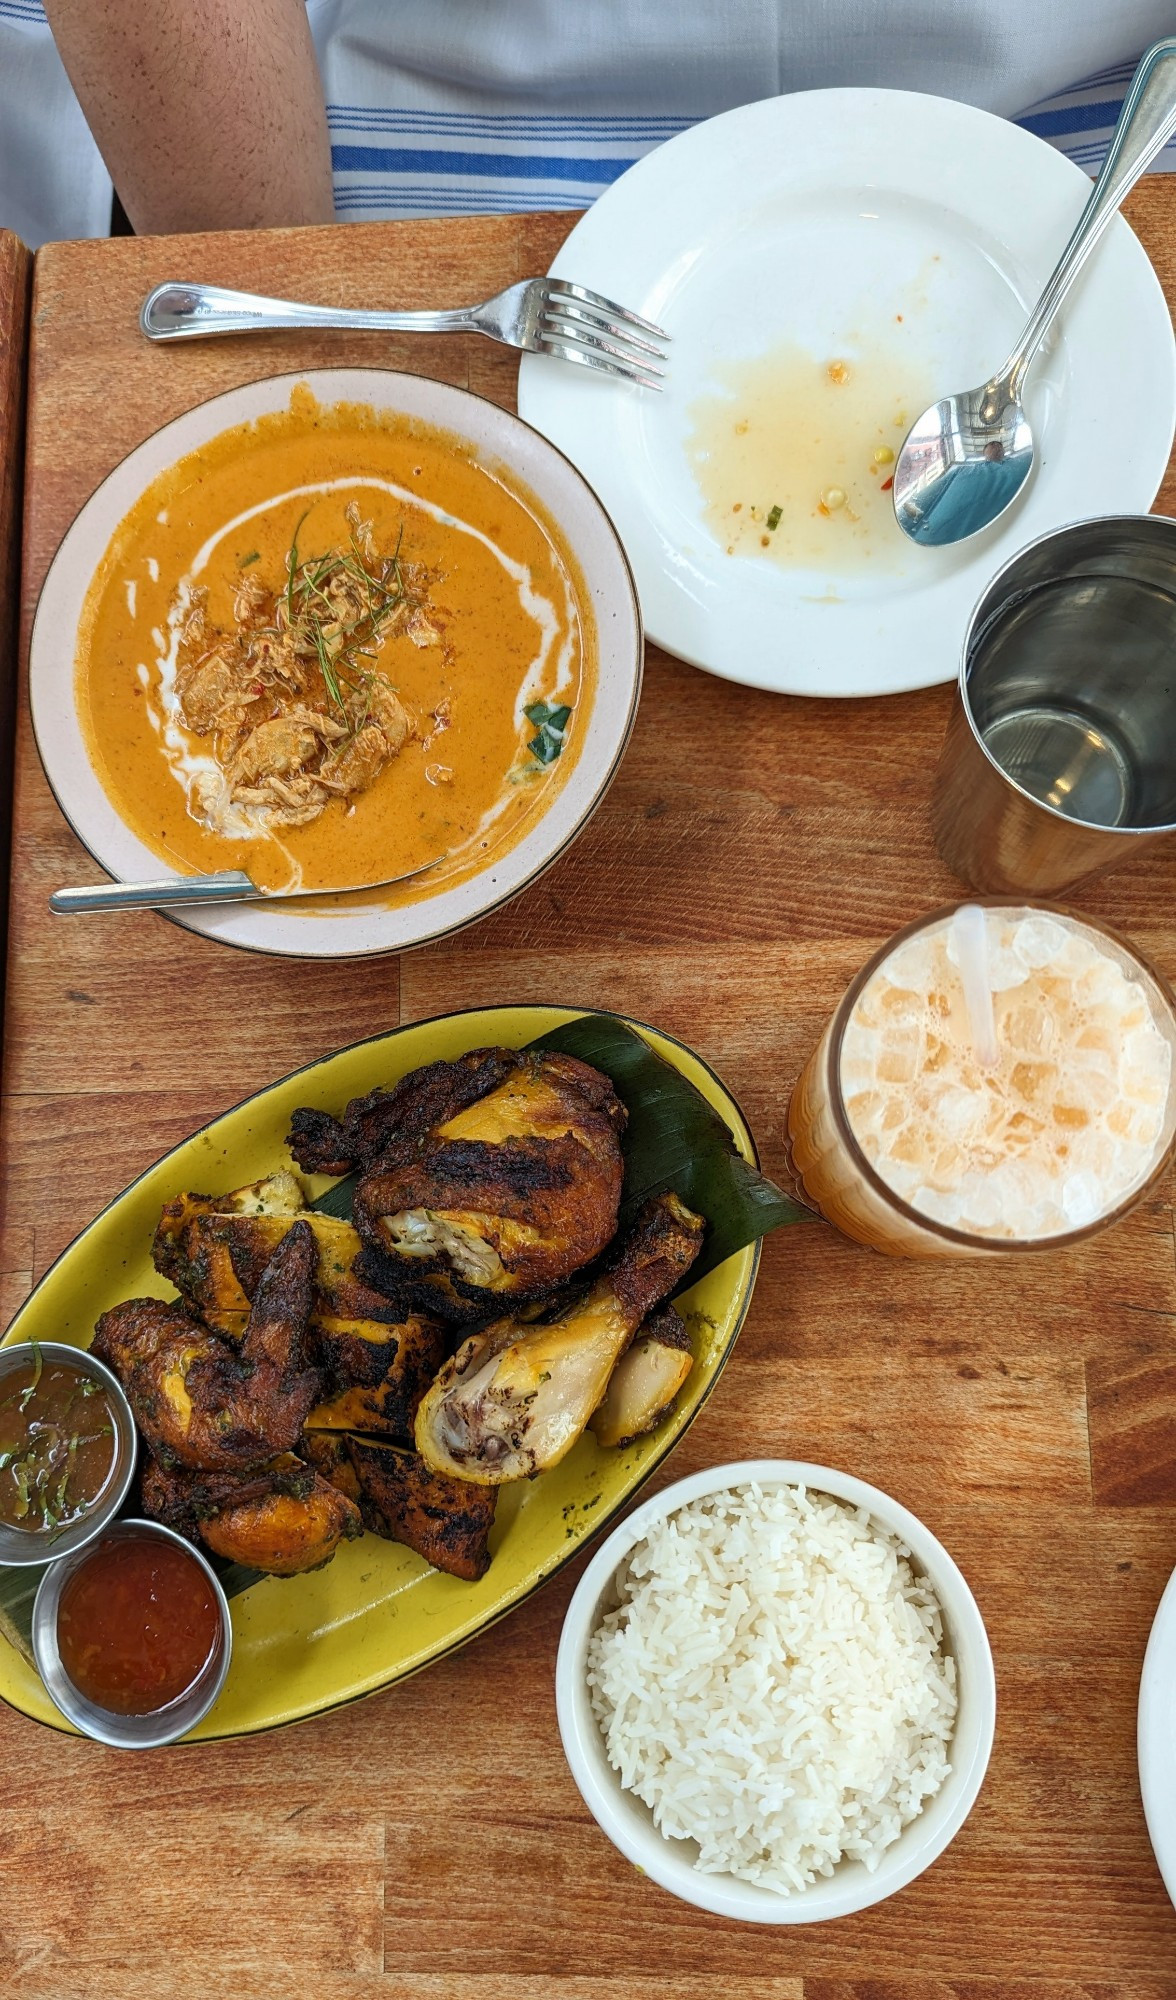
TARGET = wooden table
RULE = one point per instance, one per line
(15, 274)
(429, 1844)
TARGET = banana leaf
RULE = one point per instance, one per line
(18, 1587)
(674, 1139)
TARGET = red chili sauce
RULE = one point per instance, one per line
(137, 1623)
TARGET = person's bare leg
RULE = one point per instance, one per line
(208, 113)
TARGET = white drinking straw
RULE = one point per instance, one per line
(969, 928)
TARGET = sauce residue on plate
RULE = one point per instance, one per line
(514, 647)
(794, 454)
(58, 1445)
(137, 1624)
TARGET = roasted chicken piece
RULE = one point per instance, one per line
(376, 1375)
(447, 1521)
(514, 1399)
(327, 1452)
(645, 1381)
(214, 1249)
(200, 1402)
(282, 1520)
(375, 1370)
(496, 1175)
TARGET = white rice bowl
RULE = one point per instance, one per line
(773, 1684)
(775, 1692)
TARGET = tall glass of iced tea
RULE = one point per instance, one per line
(901, 1137)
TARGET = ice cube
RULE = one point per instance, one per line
(1033, 1081)
(1038, 939)
(941, 1206)
(979, 1202)
(958, 1113)
(1083, 1199)
(910, 966)
(898, 1056)
(1028, 1029)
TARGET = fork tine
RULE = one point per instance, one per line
(585, 358)
(559, 287)
(574, 318)
(592, 344)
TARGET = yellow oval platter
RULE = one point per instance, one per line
(305, 1644)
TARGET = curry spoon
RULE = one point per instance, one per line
(186, 891)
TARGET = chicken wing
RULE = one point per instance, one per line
(197, 1400)
(496, 1175)
(514, 1399)
(215, 1248)
(281, 1520)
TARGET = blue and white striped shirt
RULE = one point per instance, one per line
(440, 107)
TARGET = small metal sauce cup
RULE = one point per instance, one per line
(22, 1547)
(1060, 756)
(127, 1732)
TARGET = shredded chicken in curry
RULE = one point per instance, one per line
(291, 702)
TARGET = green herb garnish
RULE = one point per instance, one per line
(551, 727)
(28, 1393)
(253, 556)
(342, 649)
(775, 517)
(292, 569)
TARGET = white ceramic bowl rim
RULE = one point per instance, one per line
(506, 446)
(628, 1822)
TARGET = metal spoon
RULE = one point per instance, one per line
(966, 459)
(186, 891)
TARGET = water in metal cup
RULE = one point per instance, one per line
(1060, 758)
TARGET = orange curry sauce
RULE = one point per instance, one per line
(514, 618)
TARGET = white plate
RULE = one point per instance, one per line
(347, 930)
(1157, 1737)
(816, 219)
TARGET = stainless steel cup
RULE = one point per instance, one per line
(21, 1547)
(1060, 755)
(127, 1732)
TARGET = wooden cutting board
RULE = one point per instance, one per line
(429, 1844)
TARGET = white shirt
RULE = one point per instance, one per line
(464, 106)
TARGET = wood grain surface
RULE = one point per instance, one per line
(15, 274)
(429, 1844)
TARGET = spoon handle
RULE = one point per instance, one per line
(181, 891)
(1146, 123)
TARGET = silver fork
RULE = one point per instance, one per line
(540, 315)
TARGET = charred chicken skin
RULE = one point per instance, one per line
(514, 1398)
(202, 1403)
(283, 1519)
(447, 1521)
(493, 1177)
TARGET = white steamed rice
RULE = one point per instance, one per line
(773, 1684)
